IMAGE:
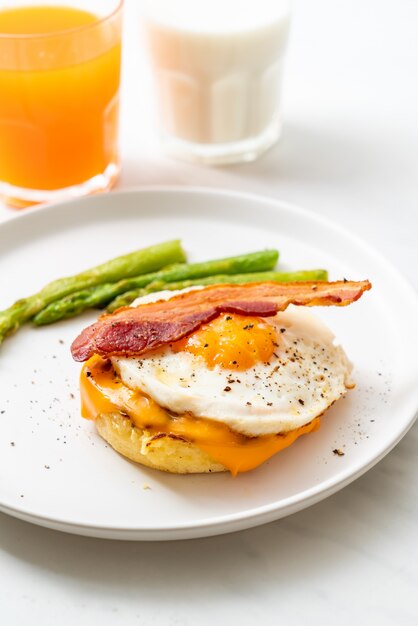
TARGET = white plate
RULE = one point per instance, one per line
(56, 471)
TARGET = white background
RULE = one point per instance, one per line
(350, 152)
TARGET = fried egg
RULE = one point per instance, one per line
(259, 376)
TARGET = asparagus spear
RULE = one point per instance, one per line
(127, 298)
(99, 296)
(145, 260)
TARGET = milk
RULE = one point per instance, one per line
(218, 67)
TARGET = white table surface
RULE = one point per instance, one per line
(350, 152)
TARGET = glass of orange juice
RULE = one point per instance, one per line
(59, 98)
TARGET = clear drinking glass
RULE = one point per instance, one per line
(218, 70)
(59, 98)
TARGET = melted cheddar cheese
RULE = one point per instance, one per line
(102, 391)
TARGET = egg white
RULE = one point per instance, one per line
(305, 376)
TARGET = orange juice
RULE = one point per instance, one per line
(59, 97)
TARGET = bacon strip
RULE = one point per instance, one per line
(131, 331)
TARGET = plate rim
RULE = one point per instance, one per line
(249, 517)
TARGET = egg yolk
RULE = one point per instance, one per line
(232, 342)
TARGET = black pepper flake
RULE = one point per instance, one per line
(228, 318)
(47, 467)
(206, 345)
(3, 411)
(269, 403)
(338, 451)
(12, 443)
(249, 404)
(282, 330)
(248, 326)
(88, 374)
(301, 401)
(227, 388)
(61, 341)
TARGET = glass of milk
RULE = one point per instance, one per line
(218, 68)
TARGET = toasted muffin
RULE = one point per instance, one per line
(163, 451)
